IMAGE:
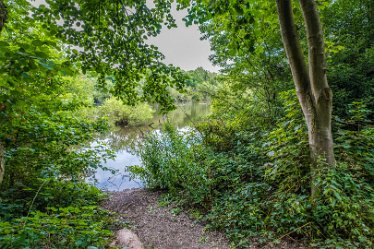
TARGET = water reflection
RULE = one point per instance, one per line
(124, 140)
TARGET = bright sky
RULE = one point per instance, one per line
(182, 45)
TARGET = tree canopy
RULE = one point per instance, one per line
(110, 38)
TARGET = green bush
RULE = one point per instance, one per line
(62, 227)
(55, 214)
(344, 211)
(174, 161)
(122, 114)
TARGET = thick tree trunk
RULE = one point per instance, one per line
(320, 138)
(312, 89)
(2, 162)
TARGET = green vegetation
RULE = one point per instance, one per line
(287, 153)
(43, 200)
(249, 169)
(200, 86)
(121, 114)
(50, 111)
(254, 182)
(61, 215)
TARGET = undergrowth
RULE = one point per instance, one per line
(256, 182)
(56, 214)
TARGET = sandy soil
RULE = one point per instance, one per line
(158, 228)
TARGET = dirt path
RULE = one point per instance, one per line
(158, 228)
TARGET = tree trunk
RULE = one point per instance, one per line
(320, 138)
(2, 162)
(311, 85)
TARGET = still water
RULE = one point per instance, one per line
(123, 140)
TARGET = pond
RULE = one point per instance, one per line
(122, 141)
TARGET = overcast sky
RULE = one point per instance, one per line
(182, 45)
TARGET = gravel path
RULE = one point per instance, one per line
(158, 228)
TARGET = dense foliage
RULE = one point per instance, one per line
(254, 182)
(44, 201)
(69, 67)
(109, 37)
(51, 110)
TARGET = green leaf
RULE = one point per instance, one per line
(46, 64)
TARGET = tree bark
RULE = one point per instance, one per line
(321, 140)
(311, 84)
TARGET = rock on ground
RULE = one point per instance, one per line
(128, 239)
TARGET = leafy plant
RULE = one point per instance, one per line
(172, 160)
(58, 227)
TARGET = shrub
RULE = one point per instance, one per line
(124, 115)
(174, 161)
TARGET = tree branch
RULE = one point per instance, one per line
(292, 47)
(317, 62)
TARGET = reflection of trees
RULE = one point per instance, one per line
(127, 138)
(194, 110)
(185, 114)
